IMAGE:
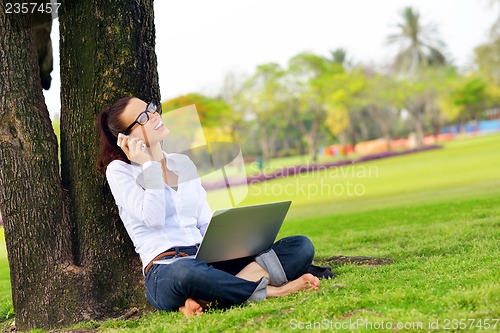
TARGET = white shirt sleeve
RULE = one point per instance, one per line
(204, 212)
(146, 205)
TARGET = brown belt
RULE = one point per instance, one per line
(163, 255)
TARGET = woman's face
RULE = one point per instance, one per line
(152, 131)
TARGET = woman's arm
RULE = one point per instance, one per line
(144, 204)
(204, 212)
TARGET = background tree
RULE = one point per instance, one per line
(467, 100)
(384, 98)
(486, 55)
(211, 111)
(230, 93)
(263, 96)
(307, 80)
(69, 255)
(343, 102)
(214, 114)
(417, 43)
(436, 82)
(419, 49)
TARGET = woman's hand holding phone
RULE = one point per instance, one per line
(133, 148)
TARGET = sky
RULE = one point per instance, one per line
(198, 42)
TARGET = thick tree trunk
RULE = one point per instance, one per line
(107, 52)
(69, 255)
(47, 289)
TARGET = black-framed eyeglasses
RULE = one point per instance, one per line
(143, 117)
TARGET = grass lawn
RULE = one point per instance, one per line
(6, 309)
(436, 214)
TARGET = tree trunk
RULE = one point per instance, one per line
(382, 120)
(264, 143)
(69, 255)
(272, 141)
(107, 52)
(311, 147)
(416, 110)
(47, 288)
(417, 115)
(419, 131)
(311, 134)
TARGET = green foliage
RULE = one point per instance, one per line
(486, 57)
(212, 112)
(265, 93)
(470, 97)
(263, 100)
(346, 95)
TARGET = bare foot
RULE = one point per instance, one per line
(191, 308)
(305, 282)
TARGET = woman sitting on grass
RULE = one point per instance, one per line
(166, 216)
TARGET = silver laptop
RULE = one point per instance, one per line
(239, 232)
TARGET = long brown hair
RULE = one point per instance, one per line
(109, 125)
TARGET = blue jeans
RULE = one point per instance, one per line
(168, 286)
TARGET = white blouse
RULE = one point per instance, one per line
(156, 216)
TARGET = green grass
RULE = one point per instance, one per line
(464, 168)
(436, 213)
(6, 309)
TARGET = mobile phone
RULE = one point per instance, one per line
(121, 135)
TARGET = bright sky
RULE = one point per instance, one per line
(199, 41)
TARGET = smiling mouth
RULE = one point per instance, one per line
(160, 124)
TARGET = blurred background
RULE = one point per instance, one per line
(327, 79)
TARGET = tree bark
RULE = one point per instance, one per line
(69, 255)
(107, 52)
(47, 289)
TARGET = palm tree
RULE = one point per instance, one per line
(418, 43)
(339, 56)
